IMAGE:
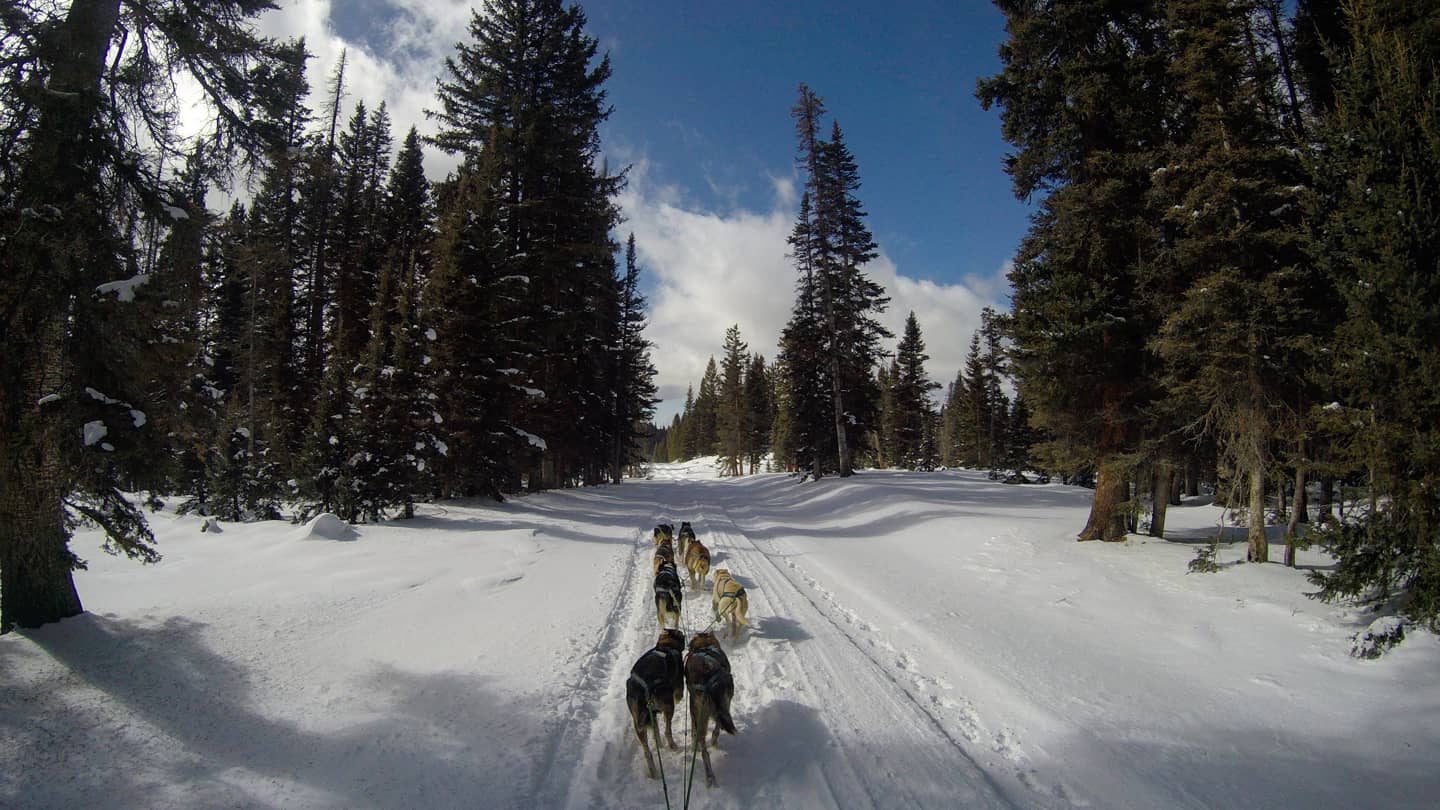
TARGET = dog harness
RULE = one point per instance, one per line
(722, 669)
(675, 665)
(729, 594)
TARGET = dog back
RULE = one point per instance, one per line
(707, 675)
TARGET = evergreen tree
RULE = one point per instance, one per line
(476, 382)
(74, 168)
(1084, 92)
(1376, 177)
(886, 436)
(807, 430)
(706, 414)
(273, 405)
(732, 414)
(635, 394)
(759, 404)
(912, 400)
(1235, 341)
(522, 97)
(832, 245)
(395, 431)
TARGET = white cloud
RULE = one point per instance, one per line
(417, 39)
(711, 270)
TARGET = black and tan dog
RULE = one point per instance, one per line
(707, 675)
(664, 553)
(697, 562)
(656, 684)
(664, 533)
(685, 537)
(729, 602)
(667, 594)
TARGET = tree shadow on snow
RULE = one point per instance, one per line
(149, 715)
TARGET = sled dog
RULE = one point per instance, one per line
(707, 675)
(729, 601)
(664, 554)
(656, 684)
(664, 533)
(697, 562)
(667, 595)
(686, 537)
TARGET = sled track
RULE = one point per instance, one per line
(785, 591)
(595, 758)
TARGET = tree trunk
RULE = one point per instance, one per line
(1292, 529)
(842, 441)
(1162, 485)
(41, 274)
(1107, 508)
(1259, 547)
(1327, 498)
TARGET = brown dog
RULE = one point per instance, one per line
(685, 537)
(656, 684)
(664, 533)
(697, 562)
(729, 601)
(664, 554)
(707, 675)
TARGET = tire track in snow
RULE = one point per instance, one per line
(821, 662)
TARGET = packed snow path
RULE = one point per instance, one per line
(825, 713)
(915, 640)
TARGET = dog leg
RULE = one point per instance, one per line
(669, 733)
(643, 733)
(705, 755)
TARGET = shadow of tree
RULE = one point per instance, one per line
(146, 716)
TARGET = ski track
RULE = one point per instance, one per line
(825, 705)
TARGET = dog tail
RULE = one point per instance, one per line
(722, 716)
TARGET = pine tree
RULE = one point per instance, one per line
(732, 413)
(807, 429)
(395, 430)
(73, 171)
(635, 394)
(522, 98)
(706, 414)
(1376, 178)
(1235, 341)
(886, 436)
(759, 404)
(476, 383)
(1084, 92)
(273, 406)
(912, 399)
(832, 244)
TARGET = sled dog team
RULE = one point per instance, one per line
(663, 674)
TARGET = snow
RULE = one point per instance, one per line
(176, 212)
(535, 441)
(138, 417)
(94, 431)
(124, 289)
(47, 399)
(326, 526)
(915, 640)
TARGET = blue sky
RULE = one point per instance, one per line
(704, 89)
(701, 95)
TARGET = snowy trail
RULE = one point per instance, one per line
(821, 712)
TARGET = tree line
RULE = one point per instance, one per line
(1233, 264)
(351, 338)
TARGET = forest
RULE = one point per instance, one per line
(1230, 281)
